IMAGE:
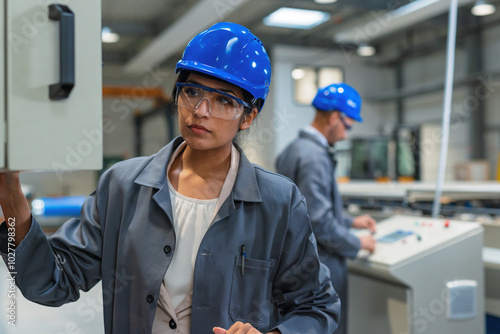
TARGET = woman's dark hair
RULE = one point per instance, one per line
(247, 97)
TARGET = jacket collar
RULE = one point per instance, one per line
(154, 174)
(329, 149)
(309, 136)
(246, 187)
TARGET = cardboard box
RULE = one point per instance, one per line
(475, 170)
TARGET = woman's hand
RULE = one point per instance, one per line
(9, 185)
(240, 328)
(14, 205)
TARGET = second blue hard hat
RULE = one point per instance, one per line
(230, 52)
(339, 97)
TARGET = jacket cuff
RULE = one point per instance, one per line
(34, 230)
(355, 242)
(298, 324)
(3, 238)
(348, 219)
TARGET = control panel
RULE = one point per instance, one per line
(404, 238)
(419, 265)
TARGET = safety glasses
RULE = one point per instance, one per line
(347, 126)
(220, 104)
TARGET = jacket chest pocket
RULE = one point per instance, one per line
(251, 290)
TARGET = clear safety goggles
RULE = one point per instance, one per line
(220, 104)
(347, 126)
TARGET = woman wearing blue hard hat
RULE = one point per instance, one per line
(310, 163)
(194, 239)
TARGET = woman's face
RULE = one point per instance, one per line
(200, 130)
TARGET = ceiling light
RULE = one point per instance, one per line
(365, 50)
(298, 73)
(483, 8)
(296, 18)
(108, 36)
(324, 2)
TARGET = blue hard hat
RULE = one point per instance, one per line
(230, 52)
(340, 97)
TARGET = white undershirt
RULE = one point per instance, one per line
(192, 218)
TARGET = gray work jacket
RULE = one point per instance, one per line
(125, 237)
(307, 162)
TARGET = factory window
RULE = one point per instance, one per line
(307, 80)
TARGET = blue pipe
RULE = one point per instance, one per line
(69, 206)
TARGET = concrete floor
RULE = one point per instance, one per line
(81, 317)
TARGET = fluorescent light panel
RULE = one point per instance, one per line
(108, 36)
(298, 73)
(325, 1)
(483, 8)
(366, 50)
(296, 18)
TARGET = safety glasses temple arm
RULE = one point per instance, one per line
(210, 89)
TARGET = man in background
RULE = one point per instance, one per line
(310, 163)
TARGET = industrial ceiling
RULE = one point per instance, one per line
(156, 31)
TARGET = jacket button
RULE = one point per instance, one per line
(167, 249)
(150, 298)
(172, 324)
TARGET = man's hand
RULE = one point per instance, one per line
(240, 328)
(365, 221)
(367, 242)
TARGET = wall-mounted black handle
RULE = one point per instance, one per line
(66, 18)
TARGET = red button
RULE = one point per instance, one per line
(447, 223)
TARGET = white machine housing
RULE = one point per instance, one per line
(37, 132)
(426, 276)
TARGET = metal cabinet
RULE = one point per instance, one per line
(2, 87)
(52, 86)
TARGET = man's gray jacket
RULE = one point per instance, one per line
(307, 162)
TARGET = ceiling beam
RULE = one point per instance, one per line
(176, 36)
(376, 25)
